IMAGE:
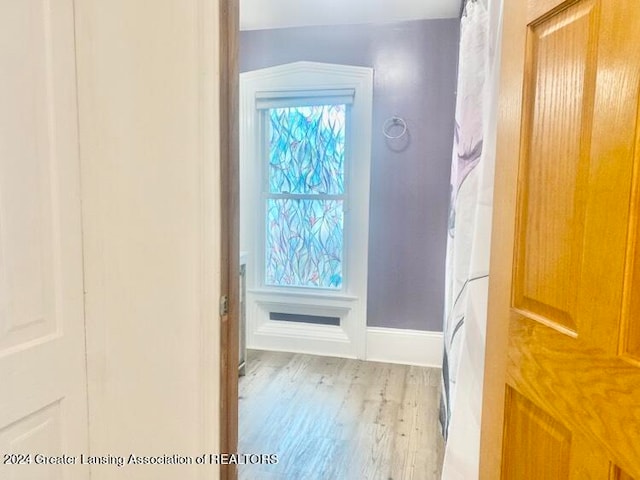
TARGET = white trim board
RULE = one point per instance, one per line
(324, 340)
(389, 345)
(407, 347)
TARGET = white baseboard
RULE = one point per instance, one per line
(325, 340)
(407, 347)
(390, 345)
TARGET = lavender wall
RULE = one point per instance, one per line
(414, 77)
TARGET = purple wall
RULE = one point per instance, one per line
(414, 77)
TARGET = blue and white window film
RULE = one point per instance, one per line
(306, 194)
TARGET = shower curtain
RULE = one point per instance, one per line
(469, 239)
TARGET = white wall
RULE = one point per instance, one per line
(263, 14)
(147, 79)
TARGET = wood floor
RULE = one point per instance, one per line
(338, 419)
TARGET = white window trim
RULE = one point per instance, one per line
(349, 339)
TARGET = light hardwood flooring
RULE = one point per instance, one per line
(338, 419)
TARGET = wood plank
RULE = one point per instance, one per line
(228, 21)
(339, 418)
(538, 9)
(502, 237)
(554, 166)
(619, 474)
(587, 461)
(560, 363)
(614, 157)
(535, 444)
(414, 454)
(630, 337)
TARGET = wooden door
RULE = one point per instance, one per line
(562, 377)
(43, 394)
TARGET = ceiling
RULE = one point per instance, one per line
(264, 14)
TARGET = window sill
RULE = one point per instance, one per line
(323, 295)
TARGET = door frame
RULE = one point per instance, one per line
(230, 233)
(513, 51)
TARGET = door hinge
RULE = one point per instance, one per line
(224, 305)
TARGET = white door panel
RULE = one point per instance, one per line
(43, 404)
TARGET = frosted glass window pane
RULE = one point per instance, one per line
(304, 243)
(306, 150)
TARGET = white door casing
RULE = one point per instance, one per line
(43, 404)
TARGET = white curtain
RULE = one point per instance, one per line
(469, 240)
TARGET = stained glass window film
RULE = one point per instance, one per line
(306, 149)
(304, 242)
(304, 233)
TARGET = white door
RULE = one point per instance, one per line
(43, 399)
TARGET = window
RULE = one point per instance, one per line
(305, 151)
(306, 192)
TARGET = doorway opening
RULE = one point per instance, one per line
(413, 62)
